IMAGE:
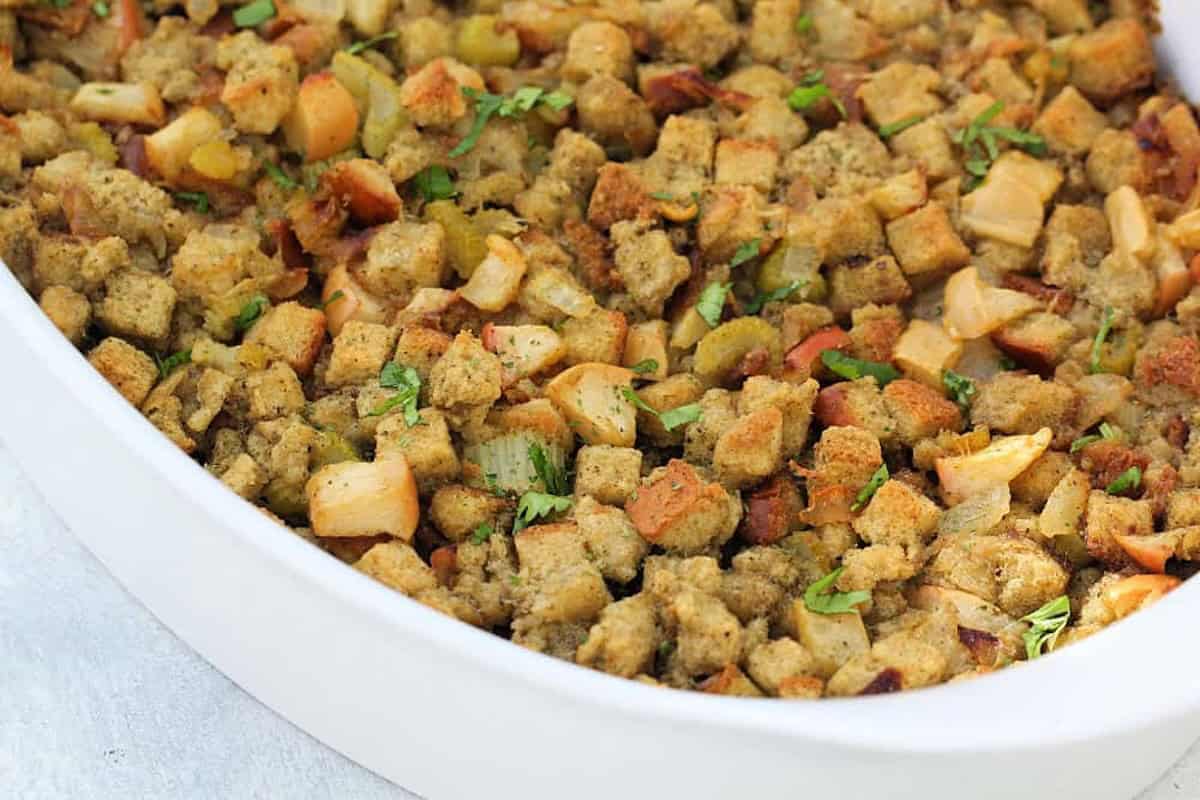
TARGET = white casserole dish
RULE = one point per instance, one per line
(451, 712)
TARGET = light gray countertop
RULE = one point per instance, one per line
(99, 701)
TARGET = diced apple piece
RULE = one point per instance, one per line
(1100, 395)
(1065, 506)
(647, 342)
(974, 309)
(558, 290)
(354, 302)
(1041, 176)
(689, 329)
(1149, 552)
(805, 354)
(324, 120)
(369, 17)
(592, 398)
(1174, 279)
(429, 300)
(364, 499)
(924, 351)
(973, 611)
(524, 350)
(169, 148)
(1129, 594)
(215, 159)
(495, 282)
(833, 639)
(364, 187)
(900, 194)
(1005, 210)
(1132, 228)
(132, 103)
(1185, 230)
(1001, 461)
(1183, 135)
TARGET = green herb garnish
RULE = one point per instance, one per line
(333, 298)
(774, 296)
(172, 362)
(1106, 433)
(406, 379)
(1045, 625)
(680, 416)
(254, 13)
(867, 492)
(482, 533)
(979, 141)
(199, 200)
(665, 196)
(818, 600)
(434, 183)
(251, 311)
(488, 105)
(1126, 481)
(101, 9)
(1106, 324)
(645, 366)
(852, 369)
(712, 302)
(804, 24)
(960, 387)
(553, 479)
(890, 130)
(358, 47)
(533, 505)
(279, 176)
(745, 251)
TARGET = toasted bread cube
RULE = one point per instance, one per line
(679, 511)
(1034, 486)
(857, 404)
(598, 48)
(747, 162)
(730, 681)
(1069, 123)
(831, 639)
(610, 539)
(466, 376)
(625, 639)
(718, 410)
(898, 515)
(648, 264)
(928, 144)
(677, 390)
(404, 256)
(926, 244)
(1012, 403)
(925, 351)
(598, 337)
(844, 456)
(609, 474)
(1038, 341)
(1112, 60)
(426, 446)
(420, 348)
(646, 342)
(558, 581)
(324, 120)
(261, 82)
(130, 371)
(137, 305)
(619, 194)
(1108, 516)
(274, 392)
(69, 310)
(900, 194)
(129, 103)
(457, 511)
(877, 281)
(775, 664)
(919, 411)
(795, 401)
(1183, 508)
(359, 353)
(292, 332)
(751, 449)
(708, 636)
(901, 91)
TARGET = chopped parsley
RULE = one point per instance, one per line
(1106, 323)
(333, 298)
(818, 598)
(1045, 625)
(251, 311)
(552, 478)
(813, 88)
(1106, 433)
(172, 362)
(1128, 480)
(637, 402)
(101, 9)
(774, 296)
(434, 183)
(482, 533)
(745, 252)
(488, 105)
(533, 505)
(979, 140)
(804, 24)
(960, 387)
(891, 129)
(358, 47)
(867, 492)
(680, 416)
(645, 366)
(408, 382)
(664, 196)
(279, 176)
(852, 369)
(199, 200)
(712, 302)
(254, 13)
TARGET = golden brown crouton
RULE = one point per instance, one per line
(137, 305)
(679, 511)
(598, 48)
(1012, 572)
(899, 515)
(747, 162)
(649, 266)
(557, 581)
(1038, 341)
(696, 33)
(1069, 123)
(877, 281)
(261, 82)
(432, 95)
(751, 449)
(858, 404)
(273, 392)
(731, 217)
(776, 663)
(708, 636)
(1012, 403)
(926, 244)
(846, 458)
(796, 403)
(610, 539)
(1034, 485)
(1115, 160)
(831, 639)
(292, 332)
(69, 310)
(718, 410)
(130, 371)
(359, 353)
(457, 511)
(404, 256)
(619, 194)
(597, 337)
(1183, 509)
(614, 114)
(625, 639)
(1113, 59)
(900, 92)
(918, 411)
(928, 144)
(609, 474)
(1108, 516)
(426, 446)
(466, 378)
(844, 161)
